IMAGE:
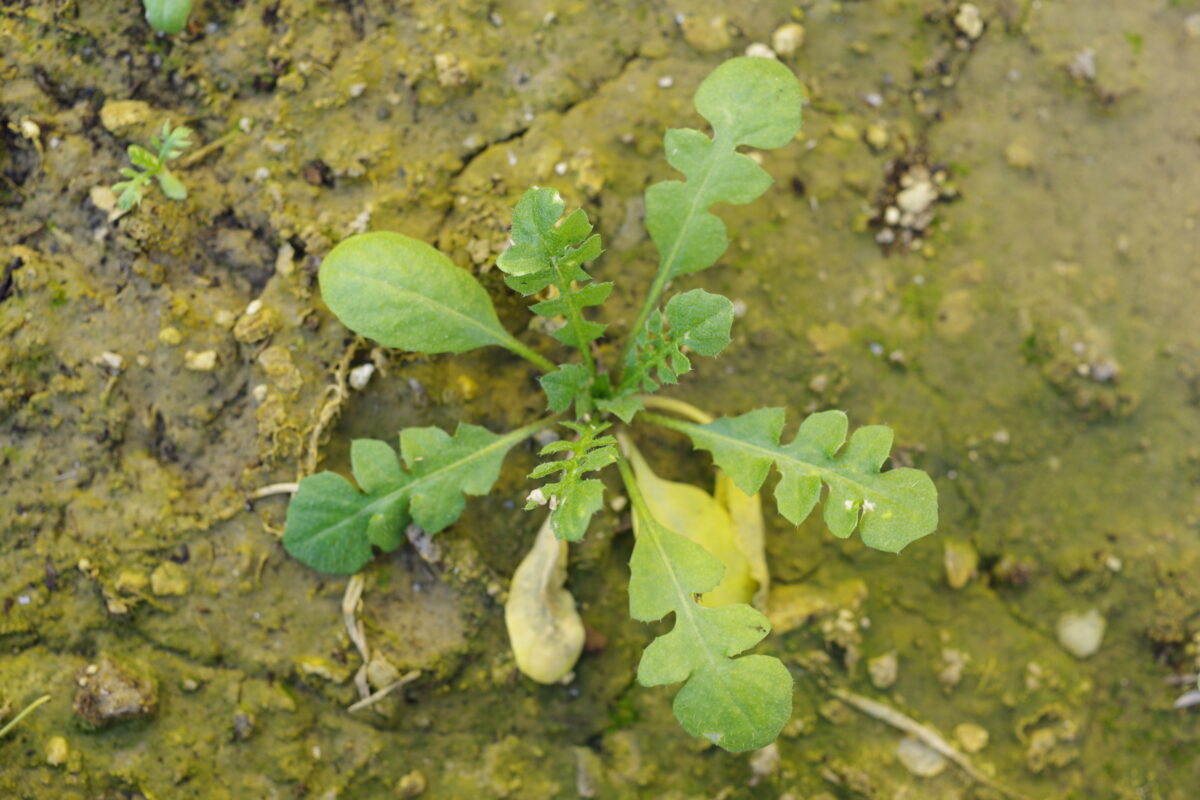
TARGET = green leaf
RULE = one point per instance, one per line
(550, 250)
(168, 16)
(697, 515)
(625, 406)
(748, 101)
(570, 383)
(403, 293)
(736, 703)
(696, 320)
(331, 525)
(891, 509)
(172, 187)
(173, 142)
(141, 157)
(573, 499)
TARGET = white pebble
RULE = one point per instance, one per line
(760, 50)
(360, 376)
(666, 82)
(1081, 634)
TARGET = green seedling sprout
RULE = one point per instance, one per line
(25, 712)
(153, 166)
(403, 293)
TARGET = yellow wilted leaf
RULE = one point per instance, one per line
(543, 626)
(745, 511)
(692, 512)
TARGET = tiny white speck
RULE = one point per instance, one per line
(849, 505)
(560, 168)
(868, 505)
(666, 82)
(23, 599)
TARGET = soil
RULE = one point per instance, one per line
(1025, 319)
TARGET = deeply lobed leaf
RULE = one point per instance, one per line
(573, 499)
(549, 250)
(748, 101)
(331, 525)
(736, 703)
(697, 321)
(891, 509)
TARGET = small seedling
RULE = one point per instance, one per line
(153, 165)
(404, 294)
(25, 712)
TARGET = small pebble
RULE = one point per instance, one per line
(360, 376)
(920, 759)
(760, 50)
(972, 737)
(969, 21)
(170, 336)
(788, 39)
(57, 751)
(883, 669)
(204, 361)
(665, 82)
(412, 785)
(1080, 634)
(1018, 156)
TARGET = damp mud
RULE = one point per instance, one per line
(987, 236)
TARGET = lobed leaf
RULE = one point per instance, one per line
(736, 703)
(573, 499)
(696, 320)
(699, 516)
(331, 525)
(891, 509)
(570, 383)
(549, 250)
(748, 101)
(403, 293)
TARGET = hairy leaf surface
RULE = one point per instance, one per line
(891, 509)
(736, 703)
(331, 525)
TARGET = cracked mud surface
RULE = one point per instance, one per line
(1033, 340)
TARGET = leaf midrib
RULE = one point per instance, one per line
(777, 455)
(496, 334)
(385, 501)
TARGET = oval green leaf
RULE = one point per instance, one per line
(402, 293)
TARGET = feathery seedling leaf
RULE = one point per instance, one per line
(697, 321)
(573, 499)
(153, 166)
(549, 250)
